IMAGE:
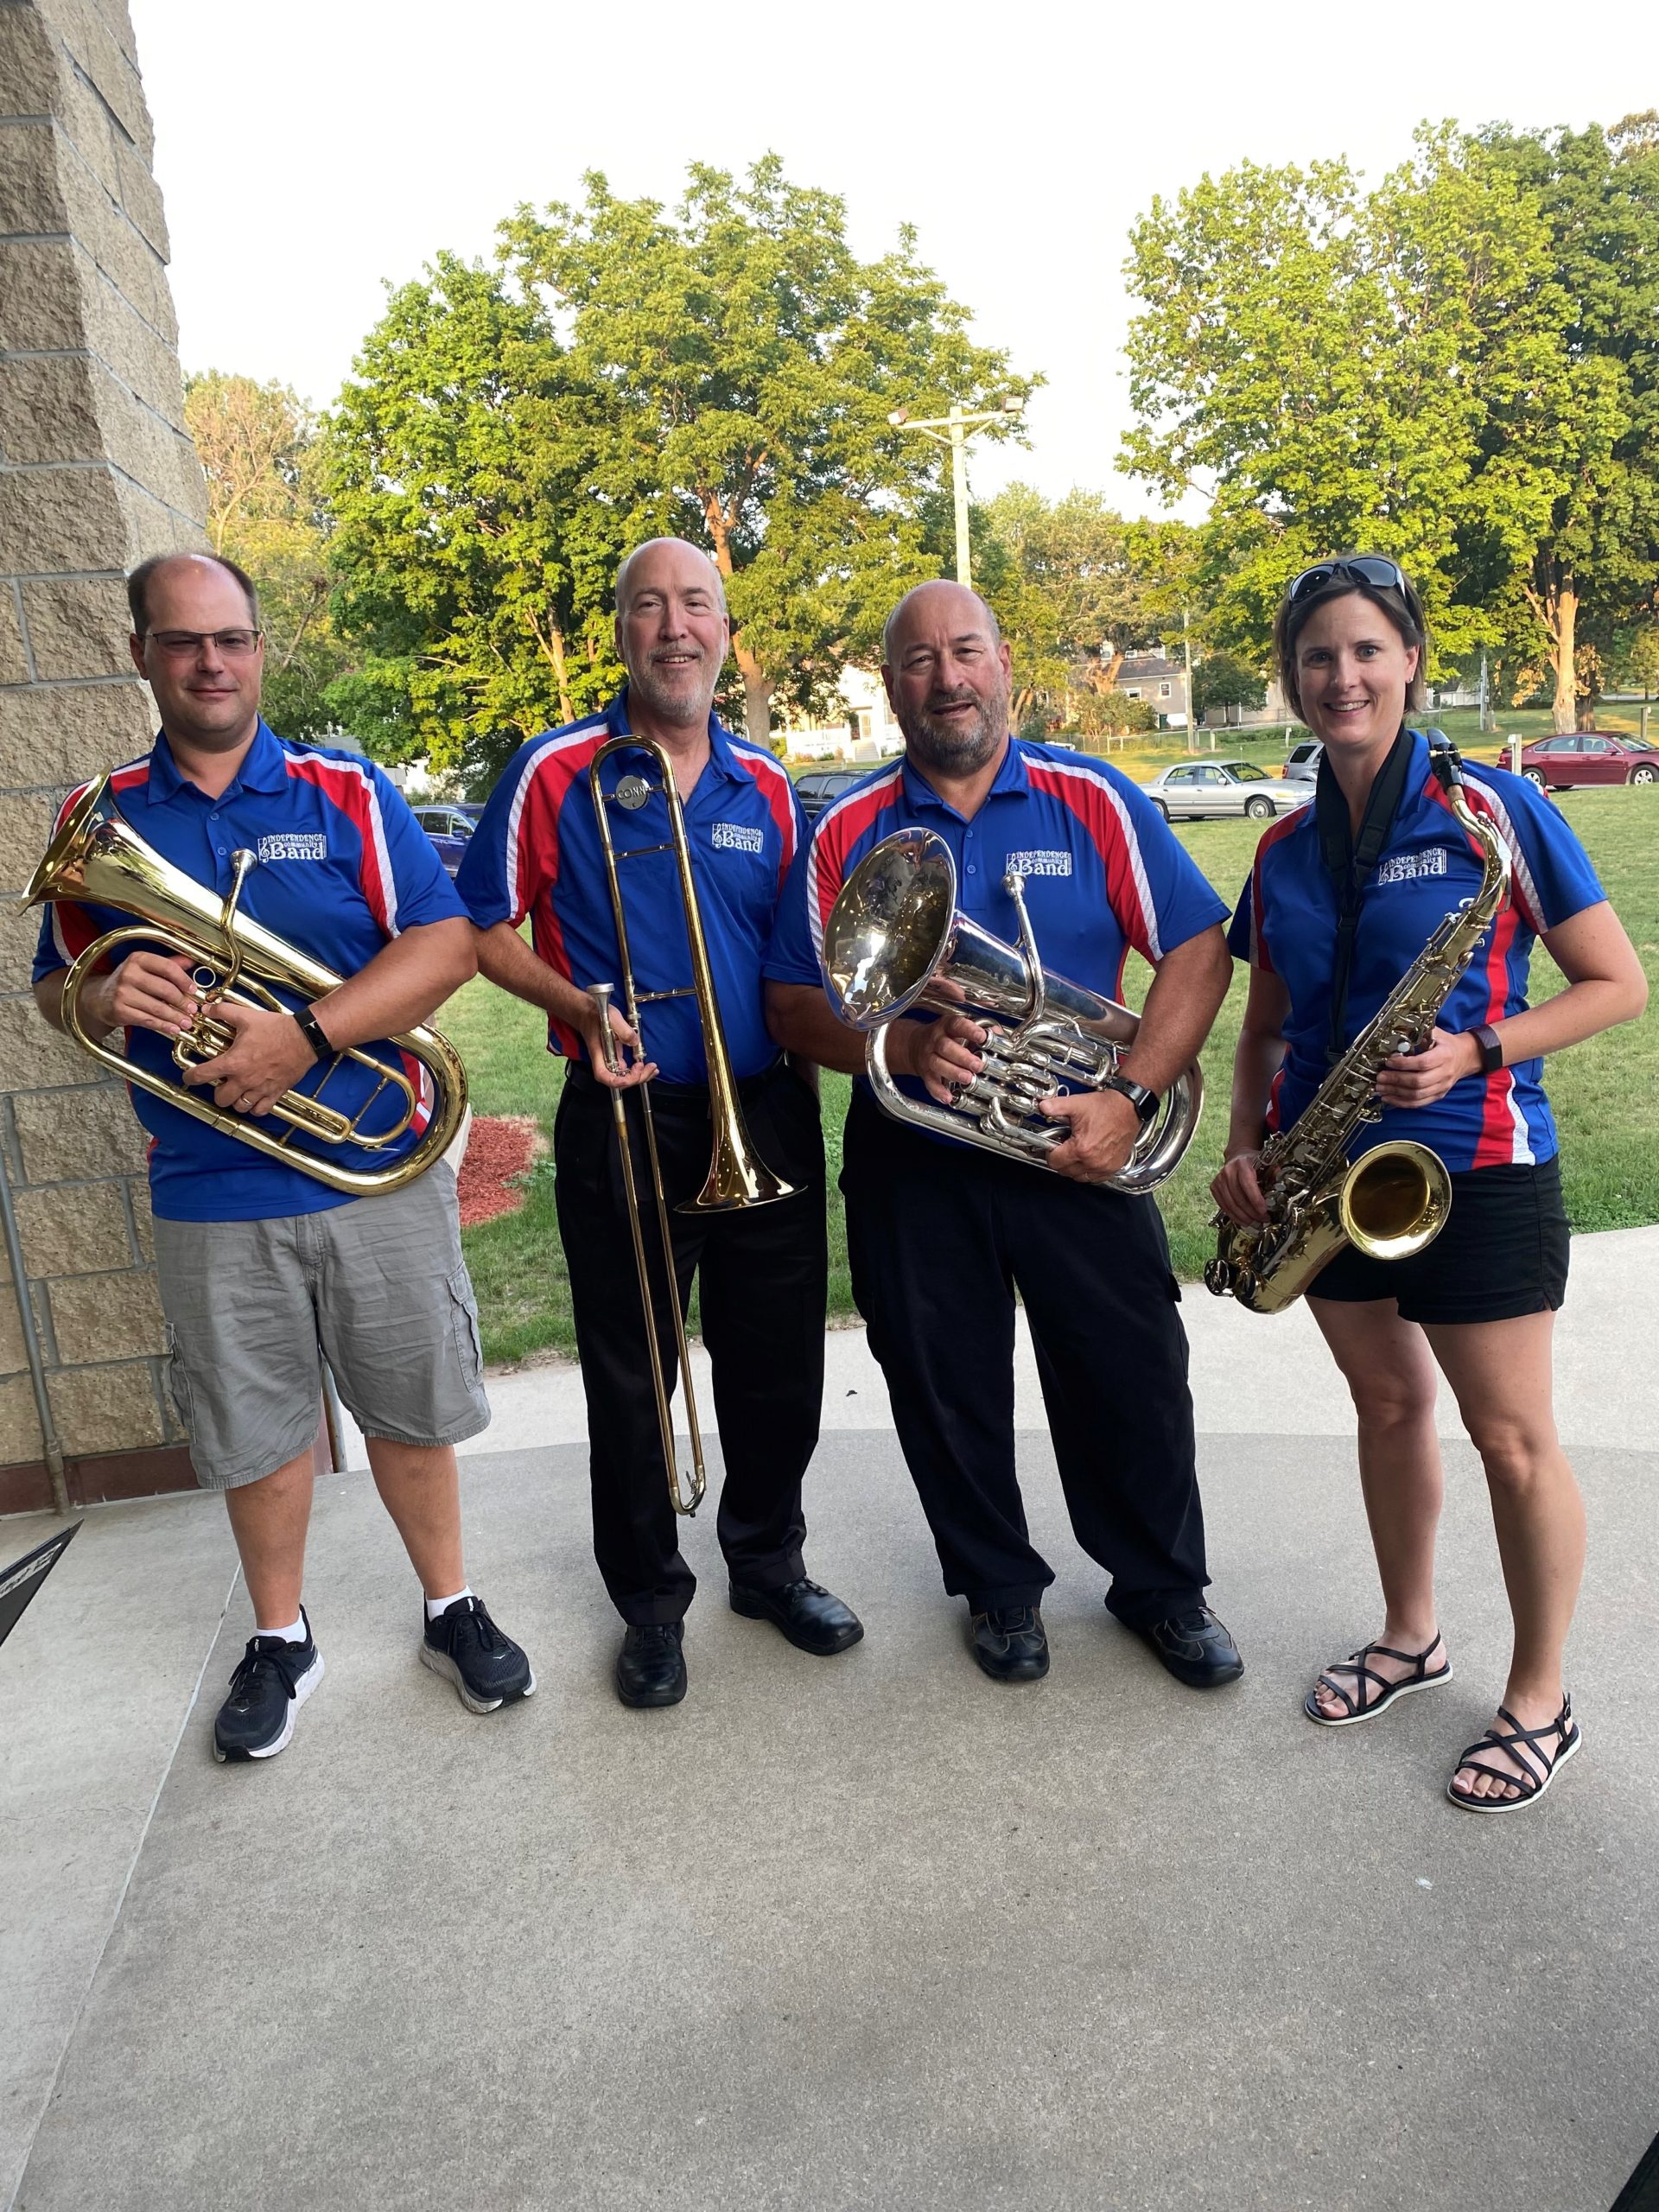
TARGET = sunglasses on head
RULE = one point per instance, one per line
(1364, 569)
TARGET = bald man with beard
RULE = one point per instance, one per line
(762, 1270)
(941, 1235)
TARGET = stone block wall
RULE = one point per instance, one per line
(96, 471)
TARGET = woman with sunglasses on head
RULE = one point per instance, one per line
(1381, 843)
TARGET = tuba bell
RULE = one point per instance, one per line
(99, 858)
(896, 939)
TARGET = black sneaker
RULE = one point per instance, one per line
(273, 1681)
(487, 1668)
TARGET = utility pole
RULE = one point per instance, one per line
(1485, 710)
(1187, 654)
(953, 430)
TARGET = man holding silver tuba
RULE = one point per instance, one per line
(259, 1262)
(583, 835)
(942, 1233)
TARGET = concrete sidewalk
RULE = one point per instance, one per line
(858, 1932)
(1249, 1375)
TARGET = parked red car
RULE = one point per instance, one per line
(1589, 757)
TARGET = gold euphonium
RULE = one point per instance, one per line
(99, 858)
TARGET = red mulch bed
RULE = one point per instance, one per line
(502, 1145)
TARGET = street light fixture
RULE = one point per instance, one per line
(953, 430)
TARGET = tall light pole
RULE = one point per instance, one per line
(953, 430)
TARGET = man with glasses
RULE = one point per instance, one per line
(259, 1264)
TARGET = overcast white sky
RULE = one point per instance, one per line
(307, 151)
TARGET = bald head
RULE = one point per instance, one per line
(674, 556)
(672, 635)
(946, 670)
(162, 567)
(960, 610)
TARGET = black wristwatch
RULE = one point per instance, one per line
(1491, 1052)
(313, 1032)
(1145, 1103)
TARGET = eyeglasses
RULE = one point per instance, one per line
(1364, 569)
(185, 644)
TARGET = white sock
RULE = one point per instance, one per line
(436, 1605)
(295, 1633)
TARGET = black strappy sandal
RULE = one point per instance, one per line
(1361, 1709)
(1524, 1746)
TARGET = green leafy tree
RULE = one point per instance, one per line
(1593, 566)
(1333, 369)
(1223, 680)
(266, 512)
(473, 560)
(1457, 368)
(736, 364)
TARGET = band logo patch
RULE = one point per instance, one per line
(306, 846)
(1406, 867)
(1040, 863)
(736, 838)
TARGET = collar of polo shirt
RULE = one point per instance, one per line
(617, 723)
(263, 770)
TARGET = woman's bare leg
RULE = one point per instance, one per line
(1390, 1375)
(1500, 1372)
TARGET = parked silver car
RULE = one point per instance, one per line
(1195, 787)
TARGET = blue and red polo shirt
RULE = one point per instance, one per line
(1286, 923)
(1103, 871)
(536, 852)
(343, 867)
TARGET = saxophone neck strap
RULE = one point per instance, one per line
(1350, 860)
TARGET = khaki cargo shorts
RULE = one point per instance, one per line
(378, 1286)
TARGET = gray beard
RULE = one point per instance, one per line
(669, 706)
(949, 750)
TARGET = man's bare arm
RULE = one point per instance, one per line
(1180, 1010)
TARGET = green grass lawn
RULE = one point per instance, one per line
(1603, 1093)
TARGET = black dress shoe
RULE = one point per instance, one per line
(812, 1619)
(1011, 1646)
(1195, 1647)
(651, 1666)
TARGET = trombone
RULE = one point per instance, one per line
(737, 1176)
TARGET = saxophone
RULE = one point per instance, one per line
(1395, 1200)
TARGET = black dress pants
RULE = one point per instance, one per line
(763, 1279)
(939, 1237)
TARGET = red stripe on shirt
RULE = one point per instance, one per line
(772, 779)
(535, 870)
(348, 789)
(1092, 803)
(1478, 804)
(838, 831)
(1496, 1145)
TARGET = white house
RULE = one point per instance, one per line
(866, 732)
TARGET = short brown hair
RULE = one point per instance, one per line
(1403, 608)
(139, 582)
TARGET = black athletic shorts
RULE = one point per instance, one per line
(1502, 1253)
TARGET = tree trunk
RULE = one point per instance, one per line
(1562, 658)
(757, 697)
(757, 684)
(1114, 662)
(556, 646)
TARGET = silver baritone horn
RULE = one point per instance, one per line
(896, 939)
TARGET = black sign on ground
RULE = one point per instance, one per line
(1641, 2192)
(19, 1581)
